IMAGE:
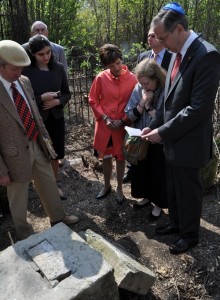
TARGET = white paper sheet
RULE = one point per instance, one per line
(133, 131)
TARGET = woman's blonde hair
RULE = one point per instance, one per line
(149, 68)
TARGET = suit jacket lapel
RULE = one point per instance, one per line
(6, 101)
(183, 66)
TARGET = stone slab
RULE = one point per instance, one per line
(26, 272)
(49, 261)
(129, 274)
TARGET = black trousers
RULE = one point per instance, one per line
(185, 194)
(148, 178)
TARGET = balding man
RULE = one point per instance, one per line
(39, 27)
(25, 149)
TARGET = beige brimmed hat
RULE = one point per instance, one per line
(13, 53)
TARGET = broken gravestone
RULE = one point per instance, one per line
(129, 274)
(56, 264)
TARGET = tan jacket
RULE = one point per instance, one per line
(14, 148)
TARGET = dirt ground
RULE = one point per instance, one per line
(193, 275)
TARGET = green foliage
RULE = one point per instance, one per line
(88, 24)
(126, 22)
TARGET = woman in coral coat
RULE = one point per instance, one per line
(108, 97)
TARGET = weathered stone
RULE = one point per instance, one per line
(129, 274)
(56, 264)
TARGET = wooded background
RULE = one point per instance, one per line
(83, 25)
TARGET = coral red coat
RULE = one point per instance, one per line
(109, 95)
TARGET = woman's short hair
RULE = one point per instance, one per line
(109, 53)
(149, 68)
(37, 43)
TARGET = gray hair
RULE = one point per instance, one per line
(170, 19)
(38, 23)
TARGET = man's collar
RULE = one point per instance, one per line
(6, 83)
(161, 53)
(188, 42)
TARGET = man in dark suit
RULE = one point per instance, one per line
(157, 52)
(25, 148)
(186, 128)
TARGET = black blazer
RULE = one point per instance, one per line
(186, 125)
(53, 80)
(165, 61)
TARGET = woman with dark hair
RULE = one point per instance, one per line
(148, 178)
(108, 97)
(50, 85)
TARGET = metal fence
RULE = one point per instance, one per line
(82, 72)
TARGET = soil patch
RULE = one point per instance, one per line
(193, 275)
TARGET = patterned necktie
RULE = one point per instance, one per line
(176, 66)
(155, 56)
(24, 113)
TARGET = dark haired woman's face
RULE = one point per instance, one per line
(43, 56)
(115, 67)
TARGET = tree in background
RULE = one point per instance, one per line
(88, 24)
(18, 15)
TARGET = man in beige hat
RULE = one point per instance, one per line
(25, 148)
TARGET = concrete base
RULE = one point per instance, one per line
(56, 264)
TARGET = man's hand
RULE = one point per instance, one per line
(151, 136)
(145, 131)
(5, 180)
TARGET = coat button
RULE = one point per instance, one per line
(27, 147)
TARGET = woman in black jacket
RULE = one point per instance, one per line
(50, 85)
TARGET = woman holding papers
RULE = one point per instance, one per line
(148, 179)
(108, 97)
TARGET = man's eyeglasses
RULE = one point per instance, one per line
(164, 38)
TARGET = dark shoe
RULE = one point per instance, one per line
(120, 201)
(152, 217)
(98, 197)
(167, 229)
(137, 206)
(127, 176)
(182, 245)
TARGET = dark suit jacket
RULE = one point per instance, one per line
(189, 105)
(165, 61)
(14, 149)
(49, 81)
